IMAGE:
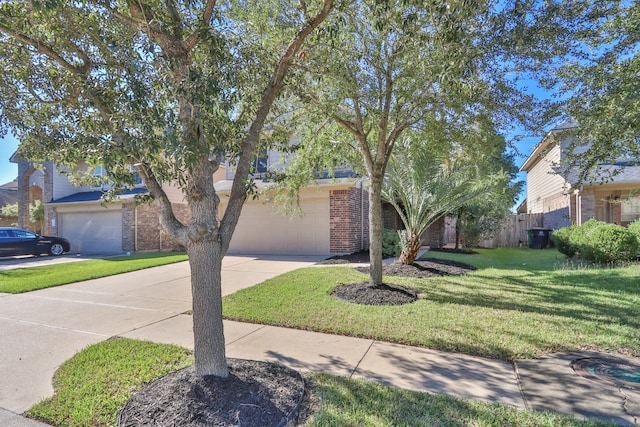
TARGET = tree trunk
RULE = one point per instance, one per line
(205, 260)
(458, 216)
(375, 233)
(410, 253)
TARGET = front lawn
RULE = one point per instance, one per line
(33, 278)
(520, 303)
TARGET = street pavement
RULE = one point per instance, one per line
(40, 330)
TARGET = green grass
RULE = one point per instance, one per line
(33, 278)
(347, 402)
(92, 387)
(520, 303)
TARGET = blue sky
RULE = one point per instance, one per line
(8, 170)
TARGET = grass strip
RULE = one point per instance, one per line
(519, 304)
(29, 279)
(92, 387)
(346, 402)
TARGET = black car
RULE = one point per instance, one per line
(16, 241)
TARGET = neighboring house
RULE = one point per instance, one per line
(563, 201)
(8, 196)
(77, 212)
(334, 217)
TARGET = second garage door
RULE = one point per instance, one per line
(262, 230)
(93, 232)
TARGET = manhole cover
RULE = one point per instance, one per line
(609, 371)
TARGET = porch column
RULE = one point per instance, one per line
(587, 205)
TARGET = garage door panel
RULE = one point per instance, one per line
(93, 232)
(262, 230)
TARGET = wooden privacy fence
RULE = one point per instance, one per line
(514, 231)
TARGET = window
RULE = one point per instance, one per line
(261, 163)
(99, 171)
(630, 209)
(23, 234)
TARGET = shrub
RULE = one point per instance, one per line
(634, 227)
(611, 242)
(599, 241)
(581, 238)
(390, 243)
(563, 240)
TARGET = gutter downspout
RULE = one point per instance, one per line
(361, 187)
(135, 228)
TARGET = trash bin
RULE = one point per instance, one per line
(539, 238)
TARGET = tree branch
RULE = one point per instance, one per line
(238, 190)
(170, 223)
(40, 48)
(194, 38)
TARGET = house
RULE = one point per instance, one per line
(333, 220)
(78, 214)
(8, 196)
(563, 200)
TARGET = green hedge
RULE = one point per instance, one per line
(599, 241)
(634, 227)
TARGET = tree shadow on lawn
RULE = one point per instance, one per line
(579, 296)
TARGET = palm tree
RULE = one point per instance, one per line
(423, 187)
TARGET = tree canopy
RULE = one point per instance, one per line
(593, 50)
(163, 89)
(437, 67)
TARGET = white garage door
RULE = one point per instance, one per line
(93, 232)
(262, 230)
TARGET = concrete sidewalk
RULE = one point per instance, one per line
(40, 330)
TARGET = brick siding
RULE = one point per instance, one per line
(349, 220)
(149, 235)
(390, 218)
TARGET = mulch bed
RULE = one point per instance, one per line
(429, 267)
(388, 294)
(384, 294)
(361, 257)
(254, 394)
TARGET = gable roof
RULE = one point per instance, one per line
(96, 196)
(547, 141)
(8, 197)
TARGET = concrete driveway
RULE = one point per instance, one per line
(40, 330)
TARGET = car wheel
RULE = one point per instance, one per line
(56, 249)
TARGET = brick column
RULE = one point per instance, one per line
(587, 205)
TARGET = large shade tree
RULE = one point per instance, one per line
(162, 88)
(399, 65)
(594, 51)
(601, 83)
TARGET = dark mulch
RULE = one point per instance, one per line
(384, 294)
(254, 394)
(388, 294)
(428, 267)
(361, 257)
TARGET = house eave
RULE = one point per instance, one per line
(224, 187)
(548, 140)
